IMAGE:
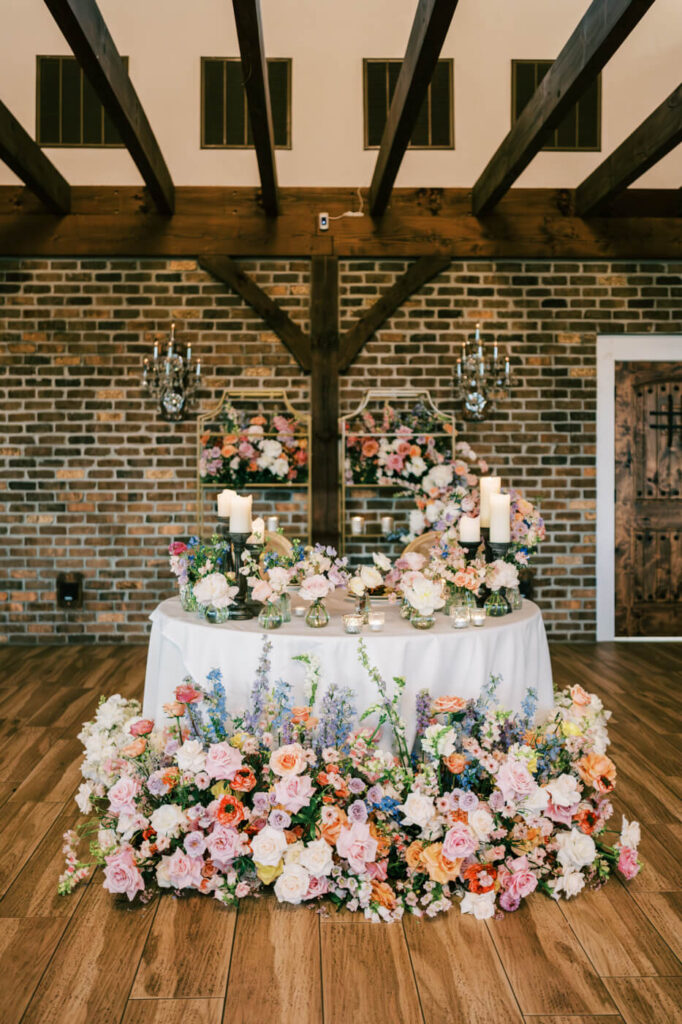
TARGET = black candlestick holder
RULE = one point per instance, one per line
(470, 548)
(236, 546)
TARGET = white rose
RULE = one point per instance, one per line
(292, 884)
(168, 820)
(441, 476)
(570, 884)
(268, 846)
(576, 850)
(416, 466)
(191, 757)
(481, 905)
(317, 858)
(417, 522)
(293, 852)
(482, 822)
(418, 809)
(434, 511)
(536, 802)
(280, 467)
(356, 586)
(271, 449)
(371, 577)
(564, 791)
(381, 561)
(630, 834)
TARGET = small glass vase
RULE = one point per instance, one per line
(317, 615)
(496, 604)
(459, 596)
(514, 599)
(187, 598)
(270, 615)
(285, 607)
(363, 607)
(405, 609)
(214, 615)
(420, 621)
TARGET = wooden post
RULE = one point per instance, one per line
(324, 398)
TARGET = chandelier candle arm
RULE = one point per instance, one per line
(171, 379)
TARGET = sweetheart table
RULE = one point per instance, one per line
(442, 659)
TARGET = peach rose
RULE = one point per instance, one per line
(580, 696)
(186, 694)
(598, 771)
(136, 748)
(369, 448)
(333, 820)
(384, 895)
(174, 709)
(413, 854)
(141, 728)
(300, 715)
(448, 705)
(439, 868)
(455, 763)
(288, 760)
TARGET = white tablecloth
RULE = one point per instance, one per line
(442, 659)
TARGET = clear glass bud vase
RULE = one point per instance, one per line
(363, 607)
(496, 604)
(285, 607)
(187, 598)
(317, 615)
(270, 616)
(513, 595)
(214, 615)
(405, 609)
(420, 621)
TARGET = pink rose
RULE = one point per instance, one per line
(395, 463)
(522, 881)
(628, 865)
(356, 845)
(317, 887)
(459, 842)
(141, 728)
(224, 844)
(262, 591)
(509, 902)
(288, 760)
(182, 871)
(121, 874)
(195, 843)
(378, 871)
(515, 780)
(176, 547)
(294, 792)
(122, 795)
(561, 815)
(222, 761)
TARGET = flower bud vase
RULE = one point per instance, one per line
(420, 621)
(213, 615)
(405, 609)
(459, 596)
(285, 606)
(496, 604)
(270, 615)
(187, 598)
(363, 607)
(514, 599)
(317, 615)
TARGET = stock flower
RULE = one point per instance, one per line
(121, 874)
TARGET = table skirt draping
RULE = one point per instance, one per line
(442, 659)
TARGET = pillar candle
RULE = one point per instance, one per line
(387, 524)
(357, 525)
(240, 514)
(470, 529)
(500, 525)
(225, 502)
(489, 485)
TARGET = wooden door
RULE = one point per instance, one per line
(648, 456)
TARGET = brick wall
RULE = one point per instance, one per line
(95, 482)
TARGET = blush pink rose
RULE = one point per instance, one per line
(515, 781)
(224, 844)
(317, 887)
(141, 728)
(294, 792)
(521, 882)
(628, 865)
(315, 587)
(378, 870)
(460, 842)
(223, 761)
(121, 874)
(356, 845)
(183, 871)
(395, 463)
(122, 795)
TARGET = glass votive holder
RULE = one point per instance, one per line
(459, 616)
(272, 524)
(299, 610)
(477, 616)
(352, 623)
(387, 524)
(376, 621)
(357, 525)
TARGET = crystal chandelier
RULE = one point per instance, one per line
(172, 379)
(483, 376)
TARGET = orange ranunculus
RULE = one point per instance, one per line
(438, 867)
(445, 705)
(136, 748)
(579, 696)
(258, 421)
(333, 820)
(170, 778)
(447, 427)
(229, 438)
(174, 709)
(586, 819)
(413, 854)
(598, 771)
(230, 811)
(243, 780)
(300, 715)
(369, 448)
(455, 763)
(481, 877)
(383, 895)
(383, 844)
(228, 450)
(415, 450)
(252, 466)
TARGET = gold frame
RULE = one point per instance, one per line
(235, 395)
(61, 57)
(385, 394)
(557, 149)
(246, 145)
(399, 60)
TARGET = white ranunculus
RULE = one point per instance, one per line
(481, 822)
(292, 884)
(576, 850)
(168, 820)
(268, 846)
(381, 561)
(191, 757)
(439, 740)
(630, 834)
(571, 883)
(316, 858)
(371, 577)
(564, 791)
(214, 590)
(418, 809)
(481, 905)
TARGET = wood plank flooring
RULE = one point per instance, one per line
(611, 957)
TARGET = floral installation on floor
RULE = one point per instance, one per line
(254, 450)
(488, 807)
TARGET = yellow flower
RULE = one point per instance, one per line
(570, 729)
(238, 740)
(221, 789)
(532, 763)
(267, 873)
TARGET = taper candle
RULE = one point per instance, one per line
(489, 485)
(500, 524)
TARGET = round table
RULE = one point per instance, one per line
(442, 659)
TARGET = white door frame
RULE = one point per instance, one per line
(628, 348)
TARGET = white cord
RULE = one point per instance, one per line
(352, 213)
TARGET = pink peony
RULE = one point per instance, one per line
(262, 591)
(224, 844)
(628, 865)
(294, 792)
(356, 845)
(182, 871)
(122, 795)
(121, 874)
(315, 587)
(459, 842)
(222, 761)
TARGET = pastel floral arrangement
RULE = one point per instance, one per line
(319, 573)
(254, 450)
(423, 594)
(493, 807)
(398, 448)
(501, 575)
(369, 578)
(527, 529)
(270, 585)
(458, 570)
(200, 569)
(445, 493)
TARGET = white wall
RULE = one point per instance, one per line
(327, 40)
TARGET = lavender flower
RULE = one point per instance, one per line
(279, 819)
(358, 812)
(423, 711)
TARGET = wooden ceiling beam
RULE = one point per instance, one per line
(604, 26)
(26, 159)
(86, 32)
(429, 29)
(247, 16)
(649, 143)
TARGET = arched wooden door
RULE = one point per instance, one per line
(648, 475)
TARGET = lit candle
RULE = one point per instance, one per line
(299, 609)
(272, 524)
(352, 623)
(198, 370)
(459, 616)
(376, 621)
(240, 514)
(500, 525)
(477, 616)
(459, 369)
(489, 485)
(387, 524)
(188, 354)
(470, 529)
(156, 350)
(224, 503)
(357, 525)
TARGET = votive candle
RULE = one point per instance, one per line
(459, 616)
(240, 514)
(477, 616)
(225, 503)
(272, 524)
(489, 485)
(352, 623)
(387, 524)
(357, 525)
(299, 610)
(376, 621)
(500, 520)
(470, 529)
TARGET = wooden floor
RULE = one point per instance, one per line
(611, 957)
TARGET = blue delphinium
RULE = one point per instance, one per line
(337, 712)
(282, 705)
(259, 690)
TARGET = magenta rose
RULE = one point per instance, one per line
(628, 865)
(121, 874)
(183, 871)
(223, 761)
(356, 845)
(294, 792)
(460, 842)
(122, 795)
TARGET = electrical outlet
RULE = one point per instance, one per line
(323, 221)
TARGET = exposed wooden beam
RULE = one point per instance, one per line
(649, 143)
(527, 224)
(231, 274)
(429, 29)
(604, 26)
(324, 398)
(255, 73)
(25, 157)
(88, 36)
(425, 268)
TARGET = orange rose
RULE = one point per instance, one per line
(230, 811)
(370, 448)
(383, 844)
(243, 780)
(227, 450)
(258, 421)
(439, 868)
(448, 705)
(415, 450)
(136, 748)
(455, 763)
(174, 709)
(229, 438)
(300, 715)
(333, 820)
(598, 771)
(383, 895)
(413, 854)
(579, 696)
